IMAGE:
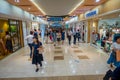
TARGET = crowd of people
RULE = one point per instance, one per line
(58, 36)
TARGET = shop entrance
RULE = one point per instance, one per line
(14, 29)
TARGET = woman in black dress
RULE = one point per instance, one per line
(37, 58)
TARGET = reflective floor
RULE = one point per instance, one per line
(62, 60)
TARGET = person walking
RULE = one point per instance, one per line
(8, 44)
(58, 37)
(54, 37)
(35, 33)
(29, 38)
(78, 35)
(47, 35)
(63, 36)
(37, 57)
(39, 32)
(74, 36)
(115, 47)
(51, 37)
(69, 34)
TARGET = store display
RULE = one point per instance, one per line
(14, 30)
(106, 30)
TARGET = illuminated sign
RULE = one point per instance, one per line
(91, 13)
(55, 19)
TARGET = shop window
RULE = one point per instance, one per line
(14, 30)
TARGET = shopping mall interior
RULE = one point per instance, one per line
(70, 39)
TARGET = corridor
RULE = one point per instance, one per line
(81, 60)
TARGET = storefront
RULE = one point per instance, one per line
(101, 30)
(82, 27)
(101, 24)
(107, 28)
(94, 32)
(15, 30)
(4, 26)
(35, 25)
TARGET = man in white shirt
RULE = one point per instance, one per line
(29, 38)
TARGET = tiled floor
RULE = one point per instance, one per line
(71, 67)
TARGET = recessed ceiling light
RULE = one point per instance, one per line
(97, 0)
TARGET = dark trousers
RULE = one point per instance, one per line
(78, 39)
(69, 39)
(74, 40)
(39, 63)
(30, 45)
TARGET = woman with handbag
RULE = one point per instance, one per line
(116, 47)
(37, 56)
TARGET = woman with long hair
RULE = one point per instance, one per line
(37, 57)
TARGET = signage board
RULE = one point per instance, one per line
(91, 13)
(55, 19)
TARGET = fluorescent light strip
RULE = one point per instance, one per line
(38, 7)
(76, 6)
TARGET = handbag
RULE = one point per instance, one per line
(118, 56)
(41, 51)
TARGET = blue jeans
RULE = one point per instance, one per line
(112, 59)
(78, 39)
(30, 45)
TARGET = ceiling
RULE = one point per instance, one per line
(26, 5)
(87, 5)
(56, 7)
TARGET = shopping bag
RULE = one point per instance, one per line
(118, 56)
